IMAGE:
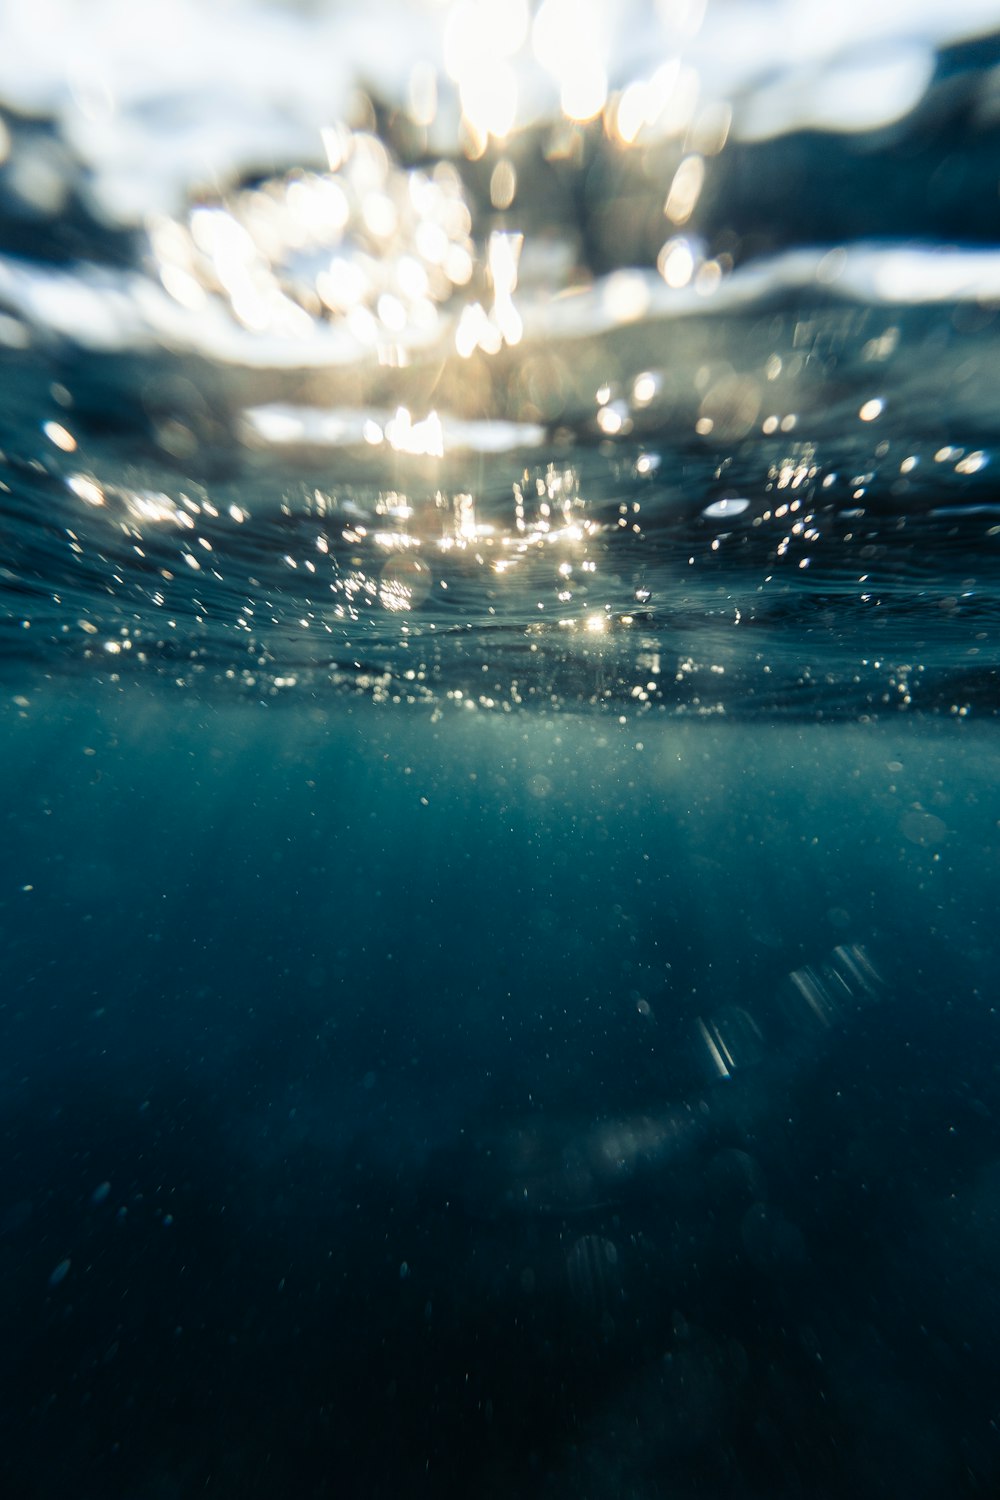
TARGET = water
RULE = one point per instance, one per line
(500, 611)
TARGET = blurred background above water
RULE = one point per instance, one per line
(498, 351)
(491, 351)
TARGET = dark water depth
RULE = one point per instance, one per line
(498, 1106)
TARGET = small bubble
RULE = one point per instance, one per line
(733, 506)
(59, 436)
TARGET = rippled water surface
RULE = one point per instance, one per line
(499, 622)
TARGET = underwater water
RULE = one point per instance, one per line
(500, 627)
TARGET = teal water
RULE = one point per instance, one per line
(499, 629)
(580, 1108)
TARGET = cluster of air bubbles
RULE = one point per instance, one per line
(364, 243)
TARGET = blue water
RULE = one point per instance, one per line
(500, 840)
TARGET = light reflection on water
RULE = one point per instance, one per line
(473, 374)
(767, 596)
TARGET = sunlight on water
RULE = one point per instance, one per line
(499, 358)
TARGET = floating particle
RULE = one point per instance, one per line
(60, 1273)
(923, 828)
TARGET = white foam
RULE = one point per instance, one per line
(109, 310)
(283, 425)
